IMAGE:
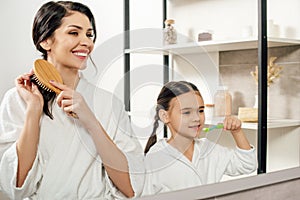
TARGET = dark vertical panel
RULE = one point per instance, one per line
(127, 55)
(165, 58)
(262, 86)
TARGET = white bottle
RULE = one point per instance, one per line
(223, 102)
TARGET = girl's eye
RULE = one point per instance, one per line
(201, 111)
(186, 113)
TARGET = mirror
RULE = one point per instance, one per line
(236, 59)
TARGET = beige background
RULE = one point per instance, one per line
(235, 68)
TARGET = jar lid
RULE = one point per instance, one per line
(169, 21)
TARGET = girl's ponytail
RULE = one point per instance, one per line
(153, 138)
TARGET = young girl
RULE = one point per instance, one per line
(50, 154)
(183, 160)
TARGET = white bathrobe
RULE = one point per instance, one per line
(67, 165)
(169, 170)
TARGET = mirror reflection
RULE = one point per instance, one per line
(183, 160)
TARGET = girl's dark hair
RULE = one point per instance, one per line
(47, 19)
(168, 92)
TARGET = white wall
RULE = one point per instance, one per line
(147, 70)
(286, 16)
(18, 53)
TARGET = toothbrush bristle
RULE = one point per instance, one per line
(205, 129)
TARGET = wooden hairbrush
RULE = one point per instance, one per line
(44, 72)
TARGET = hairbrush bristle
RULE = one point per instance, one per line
(37, 81)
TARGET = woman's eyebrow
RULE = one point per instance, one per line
(79, 27)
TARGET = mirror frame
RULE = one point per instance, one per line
(230, 187)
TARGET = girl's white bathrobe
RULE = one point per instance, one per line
(67, 165)
(167, 169)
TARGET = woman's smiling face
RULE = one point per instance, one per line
(72, 42)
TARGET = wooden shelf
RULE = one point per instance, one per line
(214, 46)
(272, 123)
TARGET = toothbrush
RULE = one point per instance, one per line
(218, 126)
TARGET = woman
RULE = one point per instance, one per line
(56, 156)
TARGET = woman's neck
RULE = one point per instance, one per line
(70, 76)
(70, 79)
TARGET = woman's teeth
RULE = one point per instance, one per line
(80, 54)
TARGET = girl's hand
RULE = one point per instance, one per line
(72, 102)
(29, 93)
(232, 124)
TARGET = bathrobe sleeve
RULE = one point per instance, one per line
(120, 130)
(242, 162)
(12, 115)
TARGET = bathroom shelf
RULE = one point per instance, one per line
(271, 123)
(214, 46)
(274, 123)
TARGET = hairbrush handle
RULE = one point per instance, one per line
(218, 126)
(74, 115)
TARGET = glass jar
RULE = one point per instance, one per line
(170, 33)
(223, 102)
(209, 111)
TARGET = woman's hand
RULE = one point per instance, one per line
(29, 93)
(72, 102)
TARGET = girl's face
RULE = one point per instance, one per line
(186, 116)
(72, 42)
